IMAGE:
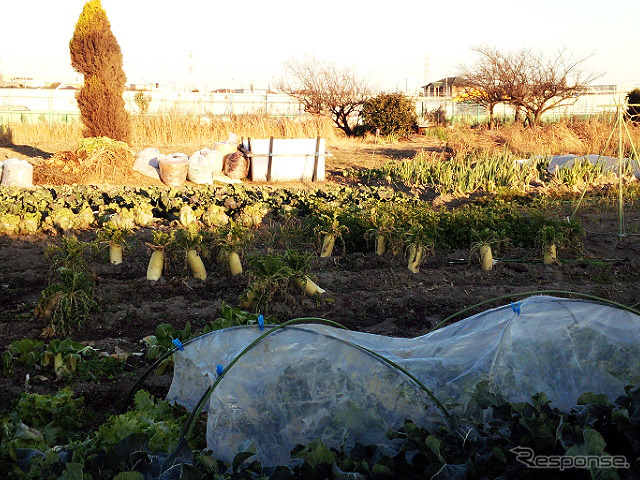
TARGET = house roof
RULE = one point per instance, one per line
(448, 81)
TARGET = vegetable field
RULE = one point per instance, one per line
(96, 282)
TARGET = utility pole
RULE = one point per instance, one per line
(191, 78)
(426, 67)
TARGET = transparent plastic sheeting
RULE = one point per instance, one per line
(557, 162)
(309, 382)
(298, 384)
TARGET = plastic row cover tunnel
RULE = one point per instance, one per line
(309, 382)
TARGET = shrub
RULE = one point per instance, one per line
(142, 101)
(633, 108)
(392, 113)
(6, 135)
(95, 53)
(437, 117)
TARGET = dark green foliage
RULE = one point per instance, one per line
(233, 317)
(633, 108)
(27, 352)
(98, 368)
(269, 275)
(69, 298)
(95, 53)
(518, 227)
(70, 253)
(516, 218)
(510, 215)
(153, 417)
(39, 422)
(392, 113)
(61, 411)
(68, 301)
(69, 360)
(124, 443)
(162, 342)
(132, 444)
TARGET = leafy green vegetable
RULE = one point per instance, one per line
(158, 420)
(162, 342)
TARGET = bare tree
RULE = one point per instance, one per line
(530, 81)
(551, 81)
(325, 88)
(484, 80)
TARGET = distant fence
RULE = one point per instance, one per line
(47, 105)
(37, 105)
(581, 107)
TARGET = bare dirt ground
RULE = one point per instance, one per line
(364, 291)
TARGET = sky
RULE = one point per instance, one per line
(392, 46)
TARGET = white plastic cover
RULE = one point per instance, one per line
(557, 162)
(314, 381)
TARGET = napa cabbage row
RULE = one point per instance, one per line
(80, 207)
(361, 218)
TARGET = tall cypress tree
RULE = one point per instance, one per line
(95, 53)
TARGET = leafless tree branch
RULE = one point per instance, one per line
(528, 80)
(325, 88)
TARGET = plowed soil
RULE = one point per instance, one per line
(363, 291)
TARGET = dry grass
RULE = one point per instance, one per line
(552, 139)
(44, 132)
(96, 161)
(171, 130)
(175, 129)
(73, 164)
(61, 169)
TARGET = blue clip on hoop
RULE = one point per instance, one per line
(516, 307)
(219, 369)
(177, 343)
(261, 322)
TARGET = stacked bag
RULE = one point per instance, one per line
(224, 163)
(16, 173)
(203, 165)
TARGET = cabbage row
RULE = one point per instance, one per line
(353, 214)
